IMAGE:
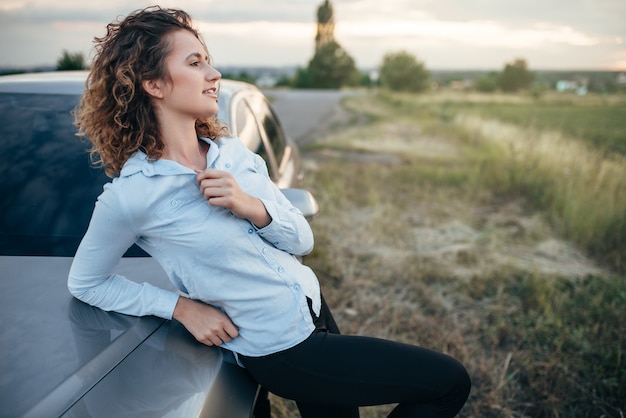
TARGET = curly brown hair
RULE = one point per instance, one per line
(115, 113)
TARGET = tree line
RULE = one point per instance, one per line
(332, 67)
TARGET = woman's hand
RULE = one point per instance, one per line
(221, 189)
(207, 324)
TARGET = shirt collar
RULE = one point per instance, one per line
(139, 163)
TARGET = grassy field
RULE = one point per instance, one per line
(573, 179)
(598, 120)
(452, 222)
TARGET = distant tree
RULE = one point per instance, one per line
(325, 25)
(487, 83)
(363, 79)
(9, 71)
(71, 61)
(241, 76)
(331, 67)
(401, 71)
(284, 81)
(302, 79)
(516, 76)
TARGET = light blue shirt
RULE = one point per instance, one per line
(208, 253)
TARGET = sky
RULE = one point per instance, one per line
(443, 34)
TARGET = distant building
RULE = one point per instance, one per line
(465, 84)
(266, 80)
(578, 85)
(374, 76)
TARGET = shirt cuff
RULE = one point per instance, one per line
(273, 212)
(166, 303)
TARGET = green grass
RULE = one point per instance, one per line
(430, 210)
(520, 148)
(580, 190)
(567, 343)
(536, 345)
(603, 125)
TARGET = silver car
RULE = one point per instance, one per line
(61, 357)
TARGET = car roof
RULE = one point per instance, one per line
(73, 82)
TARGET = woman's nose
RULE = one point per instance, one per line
(213, 74)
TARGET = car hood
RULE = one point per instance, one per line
(60, 354)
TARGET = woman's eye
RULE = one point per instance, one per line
(195, 63)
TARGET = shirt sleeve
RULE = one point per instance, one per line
(289, 230)
(91, 277)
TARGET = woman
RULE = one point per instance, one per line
(202, 204)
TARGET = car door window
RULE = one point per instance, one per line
(273, 130)
(247, 129)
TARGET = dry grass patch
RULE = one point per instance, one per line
(581, 191)
(411, 246)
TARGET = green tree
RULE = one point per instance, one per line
(240, 76)
(302, 79)
(325, 24)
(516, 76)
(401, 71)
(331, 67)
(71, 61)
(487, 83)
(284, 81)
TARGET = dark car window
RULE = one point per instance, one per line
(47, 185)
(274, 132)
(247, 130)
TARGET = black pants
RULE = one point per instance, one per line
(330, 375)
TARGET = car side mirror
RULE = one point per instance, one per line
(303, 200)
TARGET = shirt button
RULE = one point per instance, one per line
(250, 231)
(174, 203)
(281, 269)
(264, 250)
(296, 287)
(227, 165)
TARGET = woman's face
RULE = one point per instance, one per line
(192, 85)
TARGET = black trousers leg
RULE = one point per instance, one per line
(349, 371)
(326, 323)
(330, 375)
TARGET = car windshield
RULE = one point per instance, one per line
(46, 178)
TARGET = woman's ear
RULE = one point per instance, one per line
(153, 88)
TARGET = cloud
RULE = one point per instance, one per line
(478, 33)
(598, 16)
(485, 33)
(481, 33)
(230, 43)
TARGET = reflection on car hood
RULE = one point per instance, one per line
(39, 341)
(55, 353)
